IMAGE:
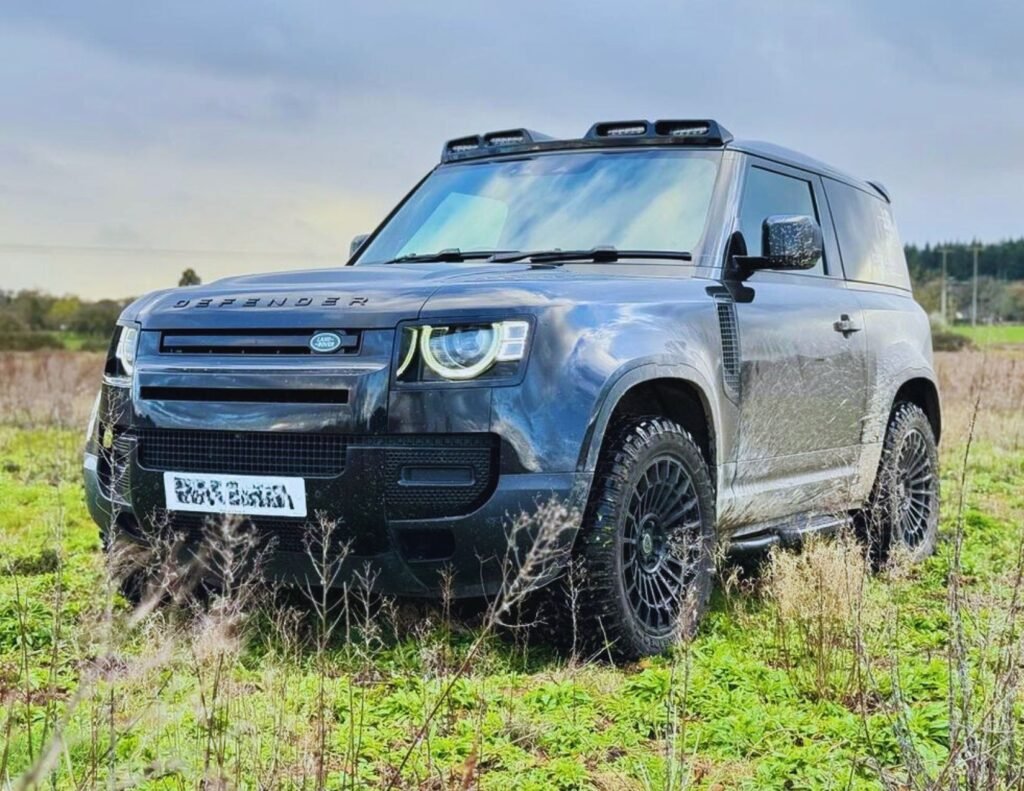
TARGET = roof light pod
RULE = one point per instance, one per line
(619, 129)
(480, 144)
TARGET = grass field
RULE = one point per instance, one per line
(996, 335)
(812, 674)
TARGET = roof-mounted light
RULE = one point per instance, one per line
(509, 137)
(681, 128)
(694, 132)
(462, 145)
(482, 144)
(619, 129)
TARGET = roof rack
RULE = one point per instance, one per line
(601, 135)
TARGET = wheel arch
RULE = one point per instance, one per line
(677, 392)
(921, 390)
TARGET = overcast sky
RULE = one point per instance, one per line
(138, 138)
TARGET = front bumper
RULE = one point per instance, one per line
(402, 556)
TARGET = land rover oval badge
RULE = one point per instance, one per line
(325, 342)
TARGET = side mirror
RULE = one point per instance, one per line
(790, 241)
(357, 242)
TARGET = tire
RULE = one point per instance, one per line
(903, 512)
(646, 546)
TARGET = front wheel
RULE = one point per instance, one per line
(647, 542)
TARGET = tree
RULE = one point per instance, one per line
(62, 312)
(97, 318)
(189, 278)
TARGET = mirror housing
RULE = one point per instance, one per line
(791, 241)
(788, 242)
(356, 243)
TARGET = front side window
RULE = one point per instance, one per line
(766, 193)
(630, 200)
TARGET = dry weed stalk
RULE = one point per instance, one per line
(538, 550)
(819, 598)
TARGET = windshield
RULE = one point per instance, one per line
(631, 200)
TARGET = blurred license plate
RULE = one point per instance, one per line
(254, 495)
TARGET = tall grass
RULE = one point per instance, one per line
(243, 685)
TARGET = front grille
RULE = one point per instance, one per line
(243, 453)
(251, 341)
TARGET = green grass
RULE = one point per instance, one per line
(995, 335)
(176, 701)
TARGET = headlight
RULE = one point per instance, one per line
(462, 352)
(127, 345)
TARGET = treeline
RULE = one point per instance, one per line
(35, 320)
(1000, 280)
(1002, 260)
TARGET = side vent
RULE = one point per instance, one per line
(730, 343)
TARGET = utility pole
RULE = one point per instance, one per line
(974, 291)
(945, 253)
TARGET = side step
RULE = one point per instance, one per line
(789, 533)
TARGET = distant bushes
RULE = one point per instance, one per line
(28, 340)
(37, 340)
(945, 339)
(32, 320)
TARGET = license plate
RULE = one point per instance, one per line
(251, 495)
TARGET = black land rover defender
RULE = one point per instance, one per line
(689, 339)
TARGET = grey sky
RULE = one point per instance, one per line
(139, 138)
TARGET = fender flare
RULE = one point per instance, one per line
(928, 375)
(627, 377)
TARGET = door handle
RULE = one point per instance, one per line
(845, 325)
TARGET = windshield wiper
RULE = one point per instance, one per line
(596, 254)
(449, 254)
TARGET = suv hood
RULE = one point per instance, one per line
(356, 297)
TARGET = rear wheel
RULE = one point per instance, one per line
(903, 515)
(646, 546)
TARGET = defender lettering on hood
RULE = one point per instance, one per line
(272, 302)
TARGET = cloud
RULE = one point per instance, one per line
(287, 128)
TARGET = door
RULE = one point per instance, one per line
(803, 382)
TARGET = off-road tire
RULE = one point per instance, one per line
(903, 512)
(611, 621)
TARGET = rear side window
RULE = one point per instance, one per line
(766, 193)
(868, 241)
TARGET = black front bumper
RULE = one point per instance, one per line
(409, 508)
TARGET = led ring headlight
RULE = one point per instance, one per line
(460, 352)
